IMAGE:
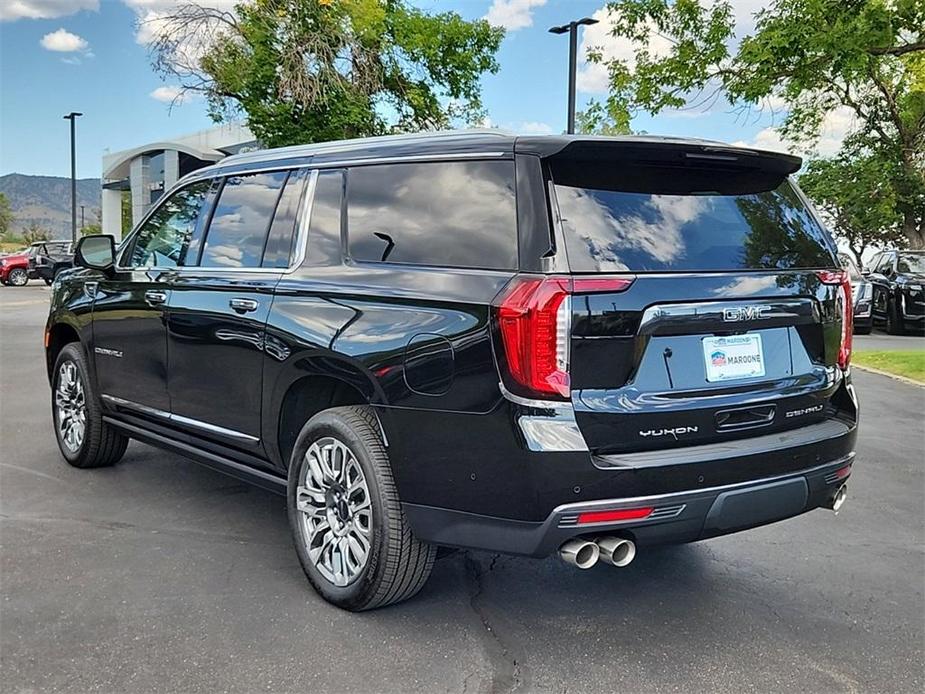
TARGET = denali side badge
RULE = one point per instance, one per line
(739, 313)
(117, 353)
(669, 432)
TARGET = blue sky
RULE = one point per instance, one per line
(84, 55)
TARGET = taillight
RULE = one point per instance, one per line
(843, 280)
(534, 318)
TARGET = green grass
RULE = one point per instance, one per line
(908, 363)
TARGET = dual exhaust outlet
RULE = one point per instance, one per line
(616, 551)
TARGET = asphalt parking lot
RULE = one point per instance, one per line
(160, 575)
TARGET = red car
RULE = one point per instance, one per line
(47, 257)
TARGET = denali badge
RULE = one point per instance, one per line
(805, 410)
(740, 313)
(117, 353)
(669, 432)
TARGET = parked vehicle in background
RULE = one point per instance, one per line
(897, 278)
(41, 260)
(48, 258)
(527, 345)
(861, 294)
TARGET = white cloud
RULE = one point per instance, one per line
(512, 14)
(593, 77)
(63, 41)
(11, 10)
(534, 128)
(838, 123)
(170, 94)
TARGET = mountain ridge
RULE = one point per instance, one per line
(46, 201)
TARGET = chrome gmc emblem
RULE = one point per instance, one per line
(741, 313)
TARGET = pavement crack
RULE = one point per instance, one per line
(506, 673)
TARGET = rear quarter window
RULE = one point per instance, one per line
(452, 214)
(616, 231)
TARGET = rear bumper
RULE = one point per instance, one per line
(675, 518)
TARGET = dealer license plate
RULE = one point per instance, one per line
(732, 358)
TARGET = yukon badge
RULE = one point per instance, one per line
(735, 314)
(677, 431)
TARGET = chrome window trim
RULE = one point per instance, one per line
(170, 417)
(203, 174)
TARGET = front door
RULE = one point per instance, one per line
(129, 310)
(218, 309)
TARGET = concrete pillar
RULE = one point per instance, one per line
(140, 182)
(171, 168)
(112, 213)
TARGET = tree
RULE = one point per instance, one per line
(865, 56)
(853, 191)
(313, 70)
(35, 232)
(597, 120)
(6, 215)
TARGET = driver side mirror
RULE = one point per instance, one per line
(96, 252)
(865, 272)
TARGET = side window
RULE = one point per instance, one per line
(453, 214)
(165, 237)
(886, 264)
(281, 240)
(241, 221)
(324, 226)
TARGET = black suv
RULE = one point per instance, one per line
(50, 258)
(529, 345)
(898, 280)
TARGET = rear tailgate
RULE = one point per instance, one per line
(651, 372)
(733, 324)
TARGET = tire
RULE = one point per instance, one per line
(894, 323)
(863, 331)
(18, 277)
(47, 281)
(74, 405)
(396, 564)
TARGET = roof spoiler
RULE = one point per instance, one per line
(660, 165)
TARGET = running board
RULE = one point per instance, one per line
(245, 473)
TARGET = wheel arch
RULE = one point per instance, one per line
(57, 336)
(304, 398)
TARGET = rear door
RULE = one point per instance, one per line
(216, 325)
(731, 327)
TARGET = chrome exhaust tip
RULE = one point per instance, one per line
(838, 499)
(581, 553)
(616, 551)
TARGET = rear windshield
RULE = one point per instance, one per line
(615, 231)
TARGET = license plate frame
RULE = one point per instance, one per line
(733, 357)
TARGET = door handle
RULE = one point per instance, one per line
(154, 297)
(243, 305)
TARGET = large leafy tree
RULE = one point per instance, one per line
(855, 192)
(315, 70)
(815, 56)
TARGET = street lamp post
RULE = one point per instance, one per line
(73, 116)
(572, 29)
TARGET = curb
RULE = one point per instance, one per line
(897, 377)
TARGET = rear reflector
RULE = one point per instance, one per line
(842, 473)
(614, 515)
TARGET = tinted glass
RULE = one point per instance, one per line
(911, 262)
(615, 231)
(324, 228)
(454, 214)
(885, 264)
(241, 220)
(281, 241)
(164, 239)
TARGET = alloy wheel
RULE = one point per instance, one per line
(70, 407)
(18, 277)
(333, 499)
